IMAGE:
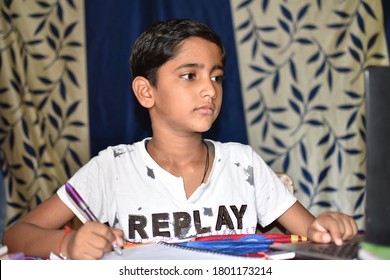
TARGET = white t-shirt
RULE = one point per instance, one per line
(127, 189)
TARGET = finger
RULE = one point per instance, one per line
(355, 227)
(336, 229)
(104, 232)
(100, 242)
(351, 228)
(86, 248)
(102, 237)
(331, 223)
(340, 229)
(112, 237)
(347, 225)
(118, 236)
(318, 233)
(99, 236)
(93, 254)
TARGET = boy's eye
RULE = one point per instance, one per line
(188, 76)
(217, 79)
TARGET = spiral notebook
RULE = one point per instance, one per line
(169, 251)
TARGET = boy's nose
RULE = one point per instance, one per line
(208, 90)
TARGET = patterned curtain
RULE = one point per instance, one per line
(302, 78)
(301, 67)
(43, 117)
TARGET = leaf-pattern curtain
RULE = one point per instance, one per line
(301, 64)
(43, 99)
(302, 73)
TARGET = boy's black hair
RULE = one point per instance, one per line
(159, 43)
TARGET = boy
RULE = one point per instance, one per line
(174, 184)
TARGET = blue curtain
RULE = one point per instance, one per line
(111, 29)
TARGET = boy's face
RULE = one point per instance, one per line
(188, 93)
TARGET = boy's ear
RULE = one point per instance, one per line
(143, 90)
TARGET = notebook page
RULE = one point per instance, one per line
(166, 251)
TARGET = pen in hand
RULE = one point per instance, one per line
(85, 208)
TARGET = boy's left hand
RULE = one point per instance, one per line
(332, 227)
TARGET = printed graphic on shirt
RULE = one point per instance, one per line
(150, 172)
(118, 151)
(186, 224)
(249, 173)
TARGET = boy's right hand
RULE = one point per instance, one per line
(91, 241)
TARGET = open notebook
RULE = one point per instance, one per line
(377, 232)
(168, 251)
(217, 247)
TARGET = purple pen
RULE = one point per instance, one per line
(74, 195)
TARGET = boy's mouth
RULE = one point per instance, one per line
(206, 109)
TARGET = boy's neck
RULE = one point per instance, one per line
(187, 157)
(175, 149)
